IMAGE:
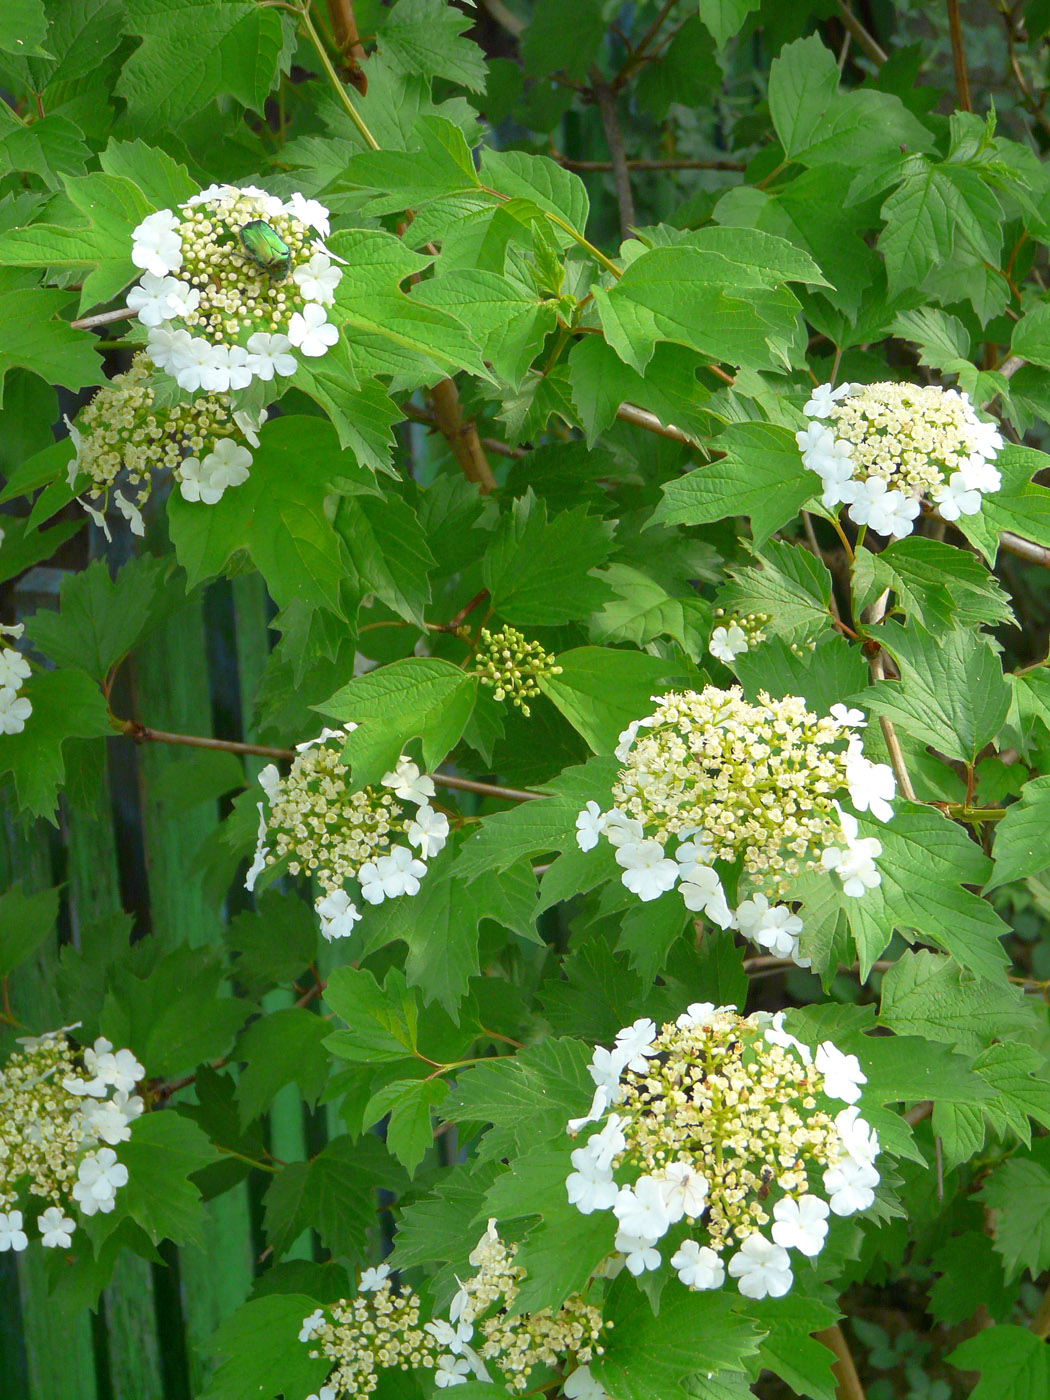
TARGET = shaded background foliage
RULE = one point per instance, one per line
(659, 128)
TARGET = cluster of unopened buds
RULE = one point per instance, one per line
(511, 666)
(722, 1147)
(129, 432)
(736, 634)
(233, 282)
(316, 822)
(15, 708)
(881, 448)
(710, 780)
(62, 1113)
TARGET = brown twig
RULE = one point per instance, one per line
(865, 41)
(461, 435)
(102, 318)
(637, 56)
(1040, 1323)
(962, 78)
(143, 735)
(672, 163)
(501, 449)
(344, 27)
(847, 1382)
(605, 97)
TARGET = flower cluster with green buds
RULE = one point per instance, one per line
(722, 1147)
(15, 708)
(128, 431)
(736, 634)
(709, 777)
(512, 666)
(483, 1326)
(880, 448)
(316, 821)
(62, 1112)
(232, 283)
(379, 1330)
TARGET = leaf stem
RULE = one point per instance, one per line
(333, 77)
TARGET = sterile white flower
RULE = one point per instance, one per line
(844, 715)
(391, 875)
(582, 1385)
(318, 279)
(762, 1269)
(822, 398)
(855, 862)
(589, 1186)
(310, 330)
(980, 475)
(697, 1013)
(258, 864)
(406, 782)
(56, 1229)
(884, 511)
(156, 244)
(372, 1279)
(627, 738)
(814, 441)
(836, 471)
(269, 355)
(308, 211)
(15, 709)
(197, 364)
(777, 1035)
(684, 1191)
(151, 298)
(164, 347)
(957, 497)
(640, 1254)
(269, 781)
(620, 829)
(226, 465)
(451, 1370)
(647, 872)
(604, 1146)
(599, 1103)
(872, 786)
(641, 1210)
(589, 826)
(635, 1041)
(454, 1338)
(130, 512)
(850, 1186)
(859, 1138)
(801, 1224)
(249, 424)
(702, 892)
(311, 1324)
(698, 1266)
(428, 832)
(606, 1066)
(196, 483)
(337, 914)
(99, 1176)
(843, 1075)
(12, 1236)
(14, 668)
(727, 643)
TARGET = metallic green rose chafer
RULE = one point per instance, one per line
(267, 249)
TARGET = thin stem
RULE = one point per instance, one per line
(635, 59)
(962, 79)
(103, 318)
(605, 97)
(877, 667)
(847, 1382)
(333, 77)
(142, 735)
(1040, 1323)
(461, 434)
(865, 41)
(843, 537)
(671, 163)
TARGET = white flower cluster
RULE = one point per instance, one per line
(232, 283)
(126, 432)
(327, 829)
(15, 670)
(484, 1326)
(376, 1331)
(710, 778)
(721, 1126)
(879, 448)
(735, 635)
(59, 1123)
(512, 666)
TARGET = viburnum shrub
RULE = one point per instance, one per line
(524, 711)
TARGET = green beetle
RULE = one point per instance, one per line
(267, 249)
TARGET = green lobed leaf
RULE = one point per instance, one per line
(37, 338)
(388, 550)
(1020, 848)
(420, 37)
(25, 921)
(23, 27)
(725, 17)
(1018, 1190)
(760, 476)
(260, 1347)
(286, 1046)
(66, 705)
(418, 697)
(1012, 1361)
(600, 690)
(410, 1130)
(1019, 505)
(937, 585)
(334, 1194)
(381, 1022)
(929, 995)
(163, 1152)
